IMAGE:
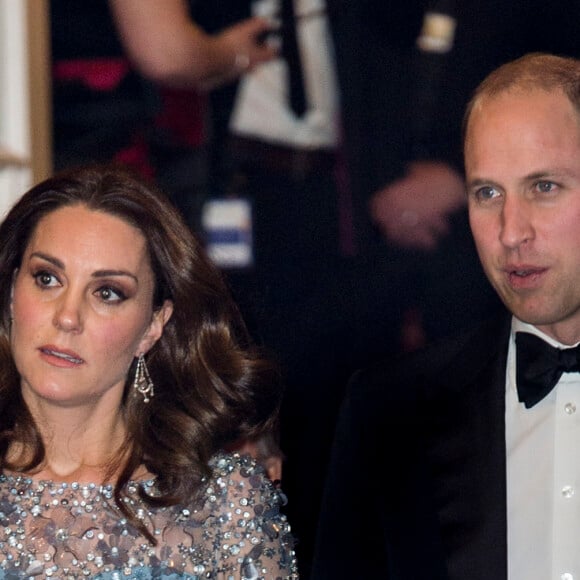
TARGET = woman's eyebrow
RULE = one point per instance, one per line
(97, 274)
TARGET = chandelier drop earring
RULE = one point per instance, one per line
(142, 382)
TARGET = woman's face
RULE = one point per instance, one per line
(82, 307)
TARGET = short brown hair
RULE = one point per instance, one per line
(533, 71)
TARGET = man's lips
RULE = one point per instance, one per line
(60, 357)
(524, 276)
(523, 270)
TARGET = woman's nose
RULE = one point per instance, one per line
(67, 315)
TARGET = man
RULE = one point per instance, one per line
(443, 466)
(405, 162)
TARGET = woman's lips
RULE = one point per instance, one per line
(60, 357)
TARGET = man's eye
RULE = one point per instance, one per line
(485, 193)
(546, 186)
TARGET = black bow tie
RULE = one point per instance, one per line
(539, 366)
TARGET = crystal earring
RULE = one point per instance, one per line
(142, 382)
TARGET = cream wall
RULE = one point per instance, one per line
(25, 139)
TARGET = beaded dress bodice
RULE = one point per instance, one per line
(65, 531)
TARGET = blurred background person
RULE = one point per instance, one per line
(319, 303)
(130, 83)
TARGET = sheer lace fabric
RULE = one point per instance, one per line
(58, 530)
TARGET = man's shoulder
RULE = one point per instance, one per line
(453, 359)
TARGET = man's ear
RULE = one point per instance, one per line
(155, 329)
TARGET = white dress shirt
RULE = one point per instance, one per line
(261, 110)
(543, 476)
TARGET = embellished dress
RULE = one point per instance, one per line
(72, 530)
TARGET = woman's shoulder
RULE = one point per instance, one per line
(230, 461)
(244, 503)
(238, 475)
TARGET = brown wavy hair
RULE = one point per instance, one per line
(212, 385)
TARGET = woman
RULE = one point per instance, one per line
(124, 371)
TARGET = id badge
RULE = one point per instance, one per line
(438, 33)
(227, 229)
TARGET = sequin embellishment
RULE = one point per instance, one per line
(71, 531)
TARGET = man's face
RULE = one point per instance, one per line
(522, 162)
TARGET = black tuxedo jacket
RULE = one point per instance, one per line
(416, 487)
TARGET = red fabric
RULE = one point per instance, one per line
(183, 116)
(99, 74)
(136, 155)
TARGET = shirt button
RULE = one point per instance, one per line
(567, 491)
(570, 408)
(567, 576)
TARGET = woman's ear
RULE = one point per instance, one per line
(155, 329)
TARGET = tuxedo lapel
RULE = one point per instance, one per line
(467, 459)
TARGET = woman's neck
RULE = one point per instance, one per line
(83, 449)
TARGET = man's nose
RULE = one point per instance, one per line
(516, 227)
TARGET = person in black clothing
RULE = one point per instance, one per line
(122, 69)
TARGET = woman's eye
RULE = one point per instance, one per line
(46, 279)
(109, 294)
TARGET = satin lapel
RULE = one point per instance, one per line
(466, 453)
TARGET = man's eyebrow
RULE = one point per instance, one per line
(547, 173)
(480, 181)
